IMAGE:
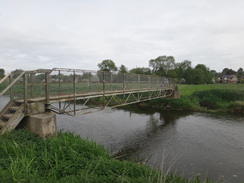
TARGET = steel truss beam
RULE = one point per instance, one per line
(84, 105)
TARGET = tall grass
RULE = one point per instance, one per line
(209, 97)
(24, 157)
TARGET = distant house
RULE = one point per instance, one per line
(230, 79)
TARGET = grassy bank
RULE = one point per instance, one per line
(25, 157)
(207, 98)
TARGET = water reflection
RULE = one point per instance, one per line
(189, 143)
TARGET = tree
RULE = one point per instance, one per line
(2, 73)
(107, 65)
(141, 70)
(162, 64)
(180, 68)
(208, 75)
(231, 72)
(240, 72)
(199, 75)
(227, 71)
(184, 65)
(123, 69)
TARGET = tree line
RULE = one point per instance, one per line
(166, 66)
(182, 72)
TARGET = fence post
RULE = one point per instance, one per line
(59, 87)
(32, 83)
(11, 88)
(25, 92)
(103, 89)
(149, 86)
(138, 87)
(111, 81)
(124, 84)
(47, 92)
(90, 82)
(74, 91)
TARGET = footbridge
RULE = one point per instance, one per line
(44, 92)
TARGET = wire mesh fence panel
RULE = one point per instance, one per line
(131, 81)
(98, 84)
(61, 82)
(112, 81)
(5, 97)
(55, 80)
(12, 88)
(118, 81)
(143, 81)
(154, 82)
(84, 80)
(36, 85)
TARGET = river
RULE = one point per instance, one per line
(189, 144)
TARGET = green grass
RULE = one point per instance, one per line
(24, 157)
(187, 90)
(207, 98)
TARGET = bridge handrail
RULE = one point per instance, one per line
(10, 89)
(5, 77)
(12, 83)
(16, 86)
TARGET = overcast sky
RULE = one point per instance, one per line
(81, 33)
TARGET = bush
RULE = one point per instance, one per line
(236, 107)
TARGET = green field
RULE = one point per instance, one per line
(187, 90)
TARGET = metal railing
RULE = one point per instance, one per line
(11, 88)
(45, 84)
(67, 81)
(21, 86)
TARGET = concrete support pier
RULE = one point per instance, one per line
(44, 124)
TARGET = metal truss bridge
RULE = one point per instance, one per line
(72, 91)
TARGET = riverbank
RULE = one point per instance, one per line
(24, 157)
(204, 98)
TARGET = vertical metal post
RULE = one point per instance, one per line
(31, 86)
(124, 84)
(25, 93)
(59, 87)
(111, 81)
(104, 89)
(149, 87)
(47, 92)
(11, 88)
(138, 87)
(90, 82)
(74, 92)
(90, 87)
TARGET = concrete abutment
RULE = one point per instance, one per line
(44, 125)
